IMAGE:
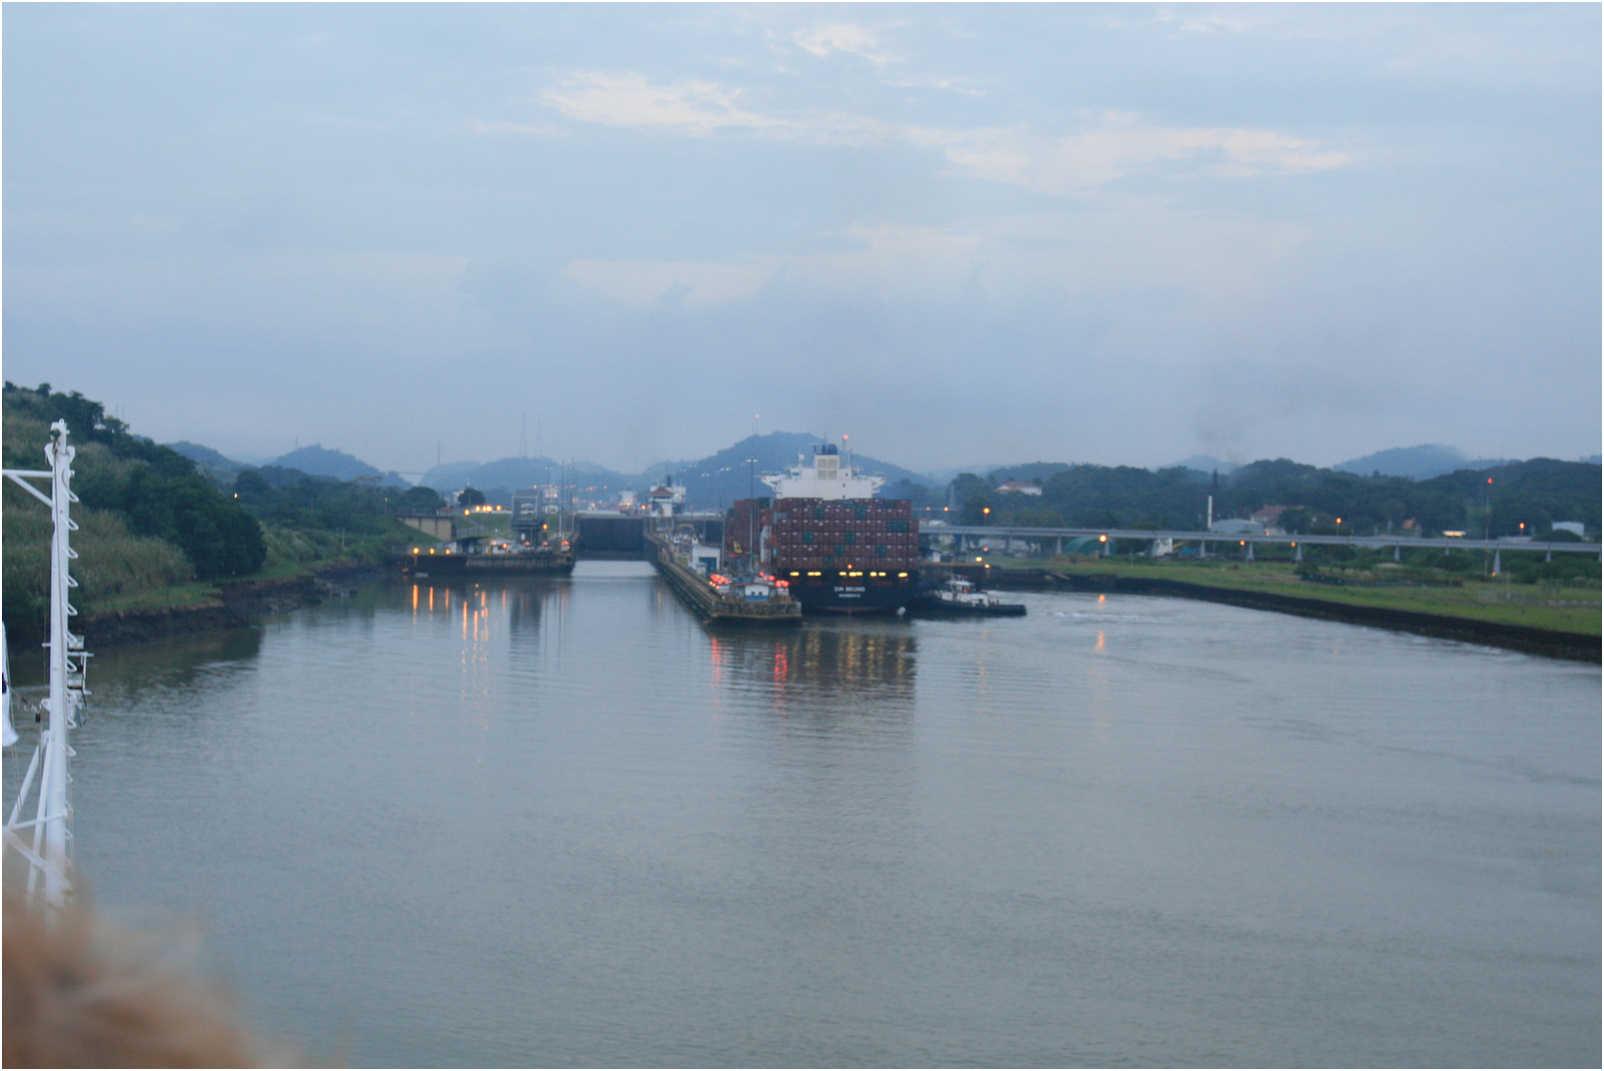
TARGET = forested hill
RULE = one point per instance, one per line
(147, 517)
(318, 460)
(1538, 492)
(152, 524)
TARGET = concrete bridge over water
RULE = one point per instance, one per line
(970, 536)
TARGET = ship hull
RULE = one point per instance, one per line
(848, 596)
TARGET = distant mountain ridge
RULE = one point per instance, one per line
(711, 481)
(221, 469)
(1417, 462)
(318, 460)
(722, 477)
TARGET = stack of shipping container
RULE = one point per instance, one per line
(830, 535)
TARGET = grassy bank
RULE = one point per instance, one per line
(1555, 607)
(291, 555)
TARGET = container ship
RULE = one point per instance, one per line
(825, 536)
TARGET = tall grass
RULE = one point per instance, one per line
(112, 562)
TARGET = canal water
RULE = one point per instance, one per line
(559, 822)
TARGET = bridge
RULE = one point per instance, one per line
(969, 535)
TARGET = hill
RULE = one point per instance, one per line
(219, 468)
(1412, 462)
(501, 477)
(147, 518)
(317, 460)
(1204, 463)
(1034, 470)
(721, 478)
(710, 482)
(1536, 493)
(1418, 462)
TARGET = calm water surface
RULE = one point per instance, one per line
(559, 822)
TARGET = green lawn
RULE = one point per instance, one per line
(1569, 608)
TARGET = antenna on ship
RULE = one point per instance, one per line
(49, 857)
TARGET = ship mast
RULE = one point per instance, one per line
(49, 856)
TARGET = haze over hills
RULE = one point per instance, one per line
(1416, 462)
(318, 460)
(716, 479)
(219, 468)
(510, 473)
(720, 478)
(726, 475)
(1205, 463)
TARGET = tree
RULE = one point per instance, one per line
(420, 500)
(969, 494)
(470, 496)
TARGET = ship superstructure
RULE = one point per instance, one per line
(823, 476)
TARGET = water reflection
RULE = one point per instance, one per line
(822, 663)
(478, 607)
(657, 815)
(174, 662)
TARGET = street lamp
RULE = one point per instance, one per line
(751, 511)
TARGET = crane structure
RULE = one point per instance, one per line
(45, 840)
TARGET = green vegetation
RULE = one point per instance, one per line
(156, 491)
(1561, 595)
(1535, 493)
(1558, 605)
(156, 533)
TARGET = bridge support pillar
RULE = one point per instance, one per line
(1249, 554)
(1058, 547)
(1548, 555)
(1203, 548)
(1297, 552)
(1397, 553)
(1498, 566)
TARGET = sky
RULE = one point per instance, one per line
(962, 234)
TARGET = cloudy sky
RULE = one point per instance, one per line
(963, 234)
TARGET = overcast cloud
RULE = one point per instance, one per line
(964, 234)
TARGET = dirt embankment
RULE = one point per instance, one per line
(1571, 645)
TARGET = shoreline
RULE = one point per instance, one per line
(243, 603)
(1571, 646)
(239, 604)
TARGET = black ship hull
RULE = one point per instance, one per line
(846, 595)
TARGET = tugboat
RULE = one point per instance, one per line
(960, 598)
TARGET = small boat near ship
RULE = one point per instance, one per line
(959, 597)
